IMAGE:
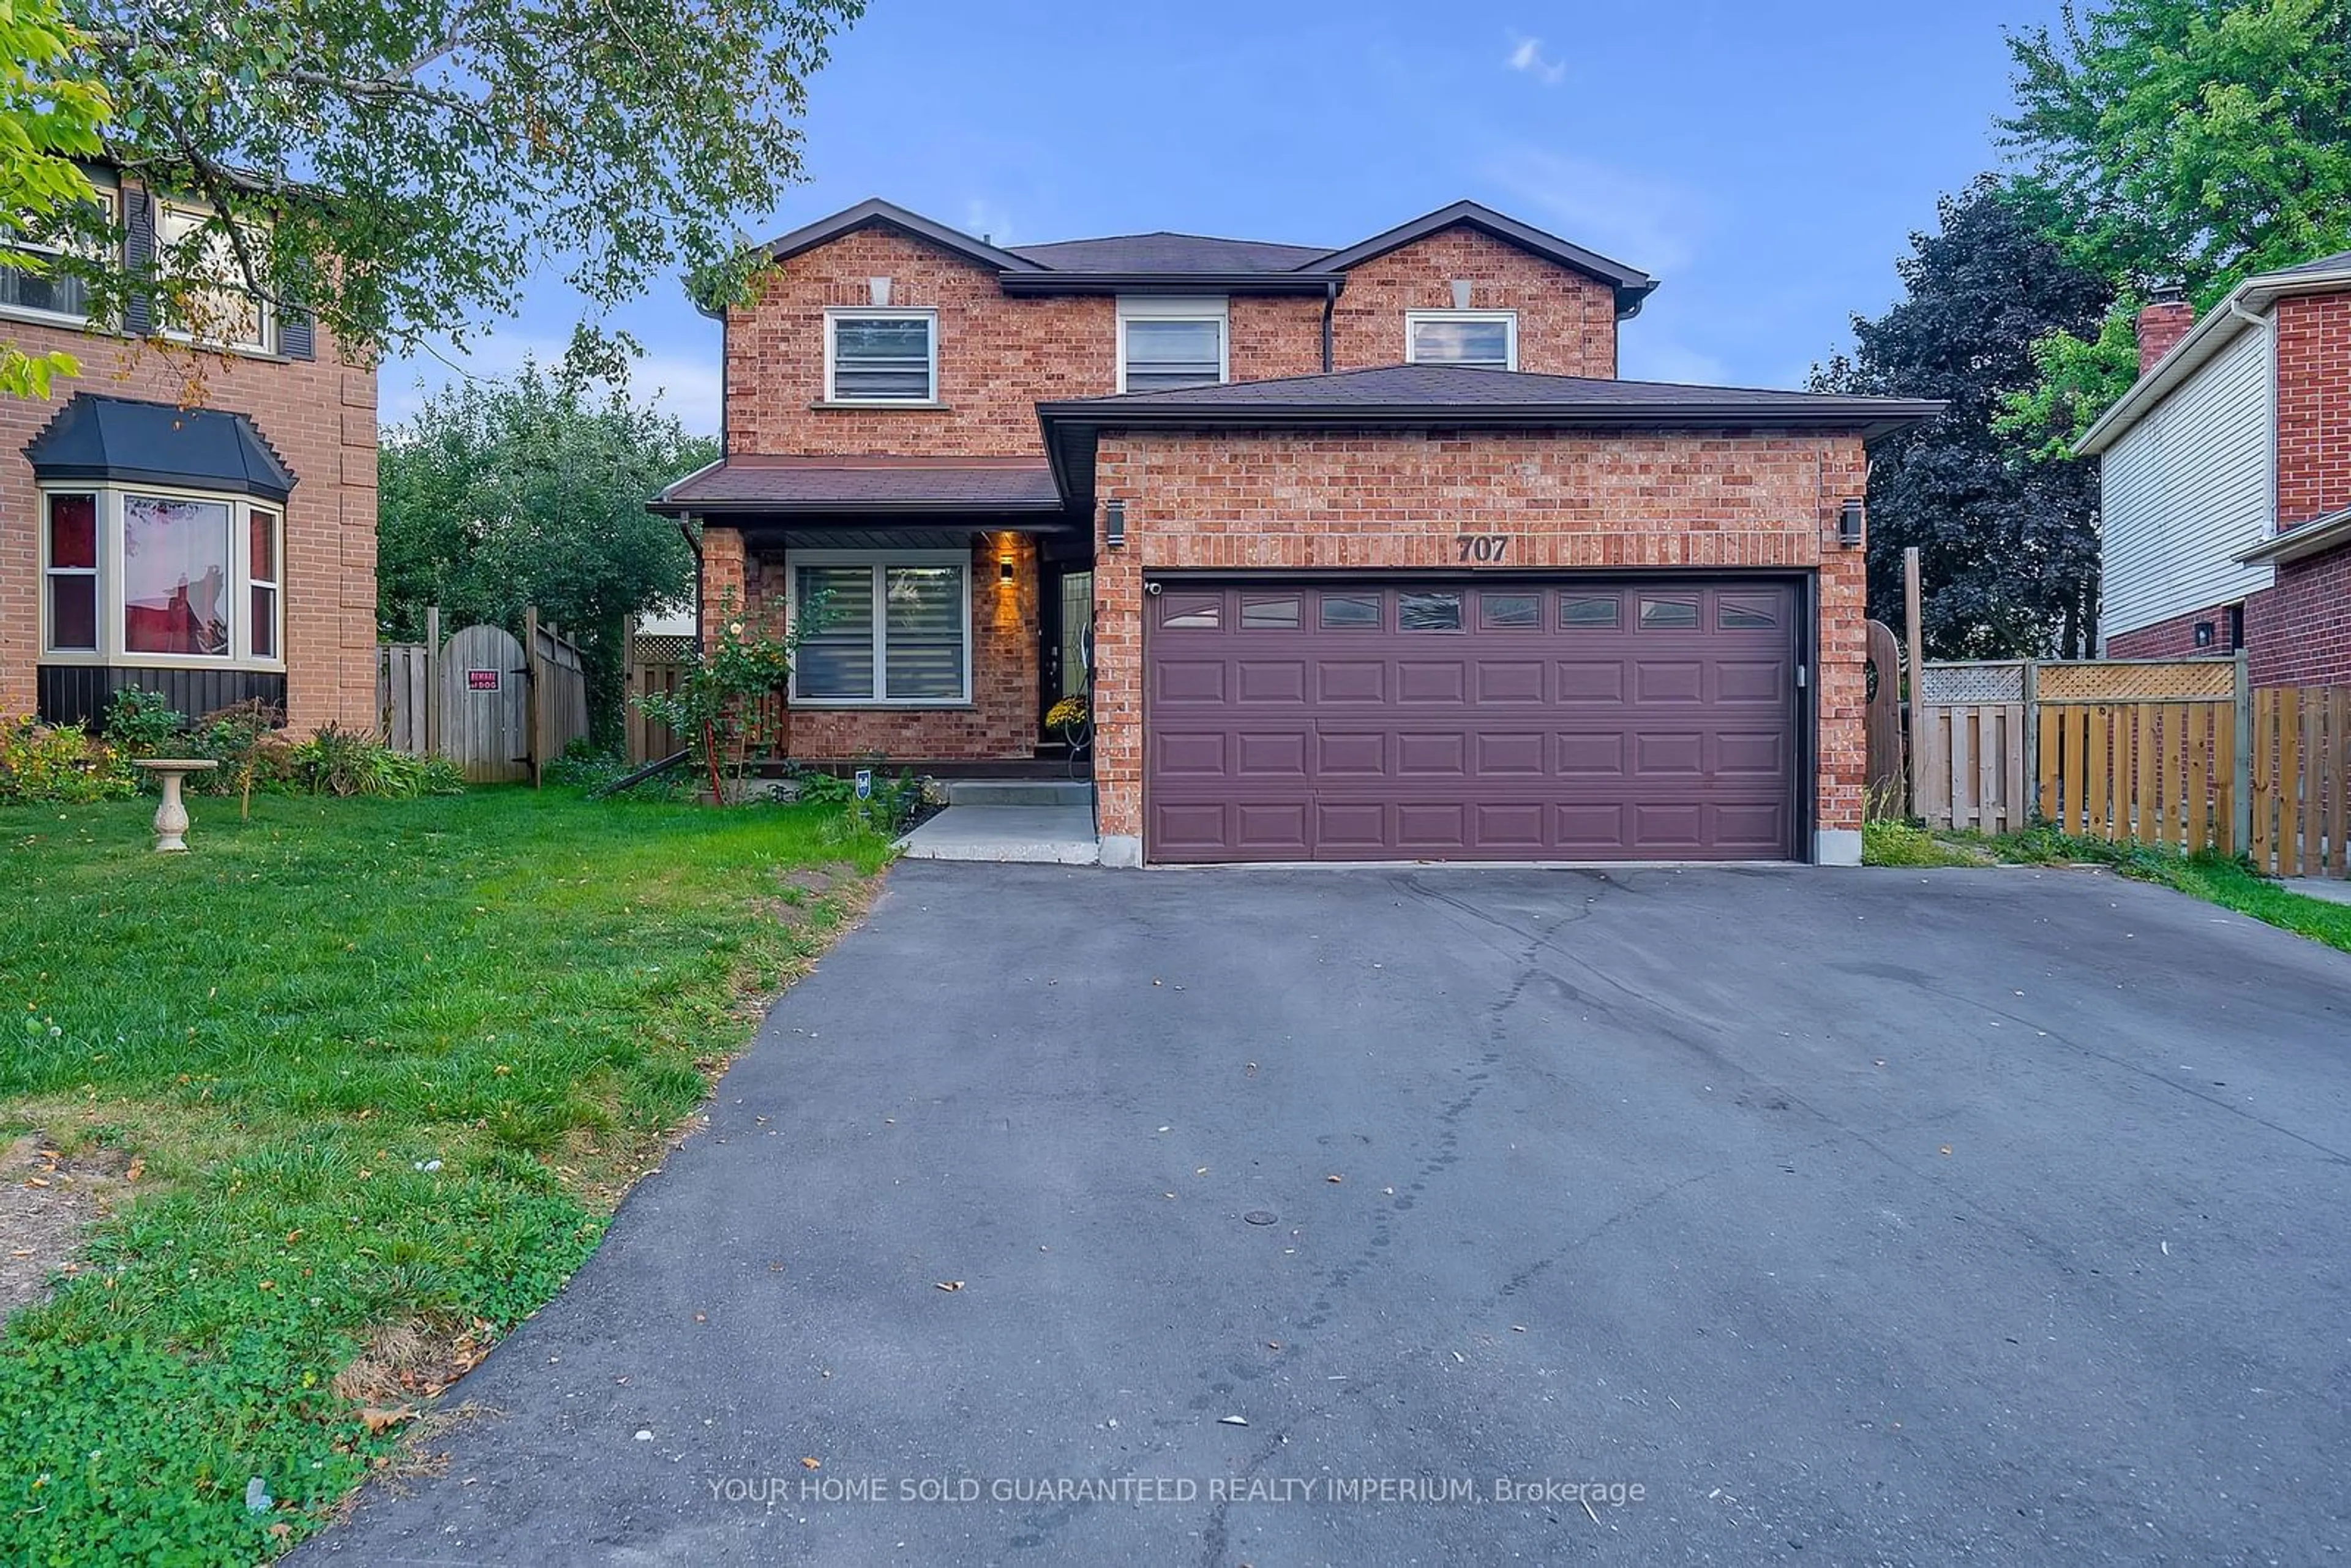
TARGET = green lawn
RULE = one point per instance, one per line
(285, 1028)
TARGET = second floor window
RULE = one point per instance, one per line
(1169, 343)
(882, 356)
(1487, 339)
(226, 316)
(44, 288)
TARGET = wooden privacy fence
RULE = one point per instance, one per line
(2181, 753)
(656, 665)
(497, 706)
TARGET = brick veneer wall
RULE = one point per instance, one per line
(2176, 638)
(1567, 322)
(2305, 637)
(320, 418)
(1001, 355)
(1001, 723)
(1337, 501)
(2313, 407)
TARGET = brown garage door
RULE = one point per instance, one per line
(1470, 721)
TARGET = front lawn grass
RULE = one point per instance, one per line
(384, 1067)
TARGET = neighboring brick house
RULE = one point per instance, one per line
(215, 552)
(2226, 477)
(1361, 553)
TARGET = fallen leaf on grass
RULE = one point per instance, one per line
(807, 1464)
(136, 1169)
(1334, 1180)
(948, 1285)
(379, 1420)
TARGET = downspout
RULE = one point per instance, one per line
(2268, 350)
(1330, 303)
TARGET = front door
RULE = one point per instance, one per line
(1065, 623)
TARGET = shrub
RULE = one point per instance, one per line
(583, 767)
(142, 723)
(61, 764)
(339, 761)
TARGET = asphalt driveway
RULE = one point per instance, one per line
(1850, 1217)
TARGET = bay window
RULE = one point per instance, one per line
(153, 575)
(881, 629)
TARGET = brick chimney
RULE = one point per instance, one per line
(2162, 322)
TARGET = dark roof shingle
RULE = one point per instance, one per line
(863, 486)
(1167, 251)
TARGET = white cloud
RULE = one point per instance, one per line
(685, 385)
(1641, 222)
(1527, 55)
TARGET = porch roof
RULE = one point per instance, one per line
(872, 488)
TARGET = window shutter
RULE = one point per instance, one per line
(294, 336)
(139, 222)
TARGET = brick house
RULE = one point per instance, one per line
(1358, 553)
(2226, 480)
(215, 553)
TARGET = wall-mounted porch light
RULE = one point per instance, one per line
(1849, 522)
(1004, 569)
(1114, 524)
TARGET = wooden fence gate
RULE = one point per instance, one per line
(497, 706)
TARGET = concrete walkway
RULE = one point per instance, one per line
(1029, 821)
(2334, 889)
(1030, 835)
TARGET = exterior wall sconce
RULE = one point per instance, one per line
(1849, 524)
(2203, 633)
(1004, 569)
(1114, 524)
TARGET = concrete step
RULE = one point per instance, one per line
(1026, 792)
(1038, 835)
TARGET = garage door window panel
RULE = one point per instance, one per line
(1191, 612)
(1589, 613)
(1510, 611)
(1669, 614)
(1428, 613)
(1262, 614)
(1351, 612)
(1739, 612)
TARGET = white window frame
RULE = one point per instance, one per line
(112, 200)
(166, 213)
(113, 642)
(835, 315)
(1413, 319)
(1176, 308)
(95, 571)
(879, 560)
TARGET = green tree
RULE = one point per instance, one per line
(414, 165)
(532, 490)
(2181, 142)
(2008, 540)
(50, 114)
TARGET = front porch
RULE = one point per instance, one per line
(939, 609)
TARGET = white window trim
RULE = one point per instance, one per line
(878, 560)
(111, 199)
(1413, 318)
(266, 344)
(112, 641)
(1177, 308)
(836, 314)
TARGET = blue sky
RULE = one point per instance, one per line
(1766, 160)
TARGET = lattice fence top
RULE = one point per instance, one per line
(2137, 680)
(1972, 683)
(663, 649)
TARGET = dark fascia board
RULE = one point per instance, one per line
(1070, 428)
(874, 210)
(664, 506)
(1316, 282)
(1632, 284)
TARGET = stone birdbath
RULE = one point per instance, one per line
(172, 816)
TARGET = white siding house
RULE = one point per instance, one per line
(2186, 488)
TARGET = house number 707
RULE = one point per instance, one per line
(1483, 547)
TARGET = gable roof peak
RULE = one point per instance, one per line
(874, 211)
